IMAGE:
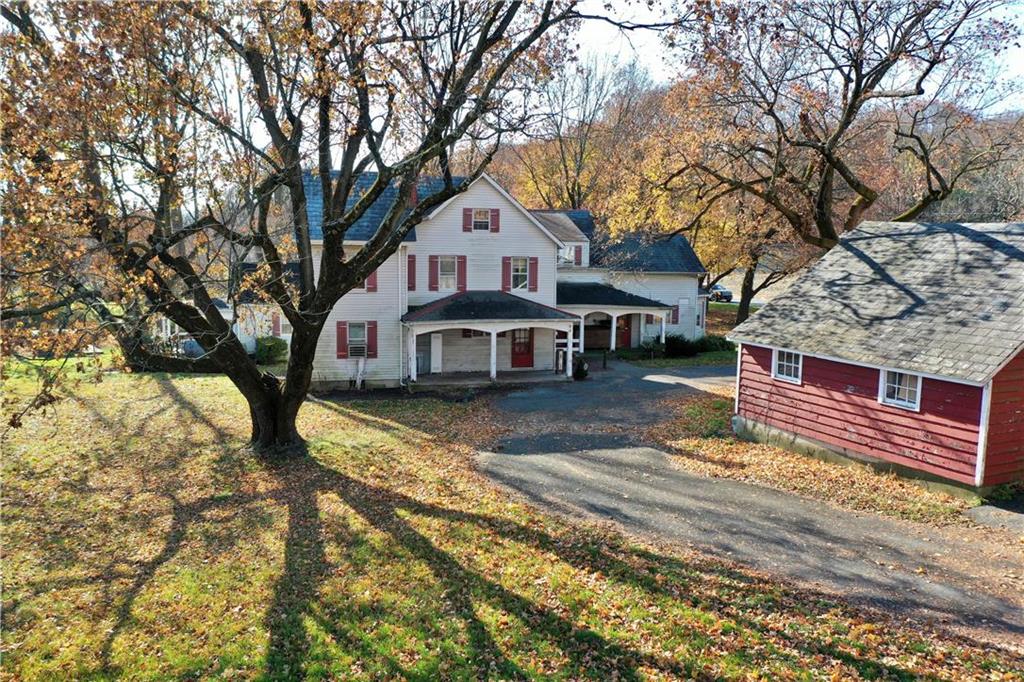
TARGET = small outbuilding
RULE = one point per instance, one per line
(902, 345)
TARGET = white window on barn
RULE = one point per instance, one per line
(447, 273)
(357, 339)
(787, 366)
(520, 273)
(900, 389)
(482, 219)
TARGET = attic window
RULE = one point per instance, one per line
(482, 219)
(900, 389)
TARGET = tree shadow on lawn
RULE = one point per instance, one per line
(299, 600)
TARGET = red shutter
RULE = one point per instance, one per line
(506, 273)
(532, 274)
(460, 273)
(432, 266)
(371, 281)
(275, 324)
(411, 274)
(675, 315)
(495, 219)
(371, 339)
(467, 220)
(578, 255)
(341, 337)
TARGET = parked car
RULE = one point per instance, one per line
(720, 293)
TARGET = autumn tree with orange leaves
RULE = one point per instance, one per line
(147, 144)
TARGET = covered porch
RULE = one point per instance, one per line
(475, 335)
(609, 318)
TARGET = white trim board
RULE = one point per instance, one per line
(844, 361)
(979, 460)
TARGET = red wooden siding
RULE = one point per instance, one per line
(837, 404)
(1004, 458)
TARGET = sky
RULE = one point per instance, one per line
(600, 39)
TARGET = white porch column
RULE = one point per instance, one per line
(412, 354)
(615, 332)
(663, 316)
(568, 351)
(583, 323)
(494, 355)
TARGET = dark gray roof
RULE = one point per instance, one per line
(467, 306)
(936, 298)
(364, 228)
(594, 293)
(583, 218)
(640, 253)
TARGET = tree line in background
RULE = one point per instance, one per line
(784, 129)
(147, 148)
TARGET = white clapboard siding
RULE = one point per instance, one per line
(473, 354)
(667, 288)
(442, 235)
(385, 306)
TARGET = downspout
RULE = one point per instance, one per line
(402, 257)
(986, 408)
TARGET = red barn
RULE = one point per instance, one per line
(903, 345)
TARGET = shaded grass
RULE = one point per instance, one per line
(699, 433)
(143, 540)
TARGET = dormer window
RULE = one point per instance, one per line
(481, 219)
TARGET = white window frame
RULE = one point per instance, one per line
(525, 273)
(485, 222)
(441, 260)
(799, 378)
(357, 349)
(883, 384)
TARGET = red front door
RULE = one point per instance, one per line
(624, 331)
(522, 348)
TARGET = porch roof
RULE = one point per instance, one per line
(480, 306)
(597, 294)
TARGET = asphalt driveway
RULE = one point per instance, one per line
(566, 454)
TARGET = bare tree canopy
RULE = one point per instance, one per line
(800, 104)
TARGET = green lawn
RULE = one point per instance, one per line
(713, 358)
(142, 540)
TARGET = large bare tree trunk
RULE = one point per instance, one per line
(746, 293)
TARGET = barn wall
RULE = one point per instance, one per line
(837, 404)
(1004, 460)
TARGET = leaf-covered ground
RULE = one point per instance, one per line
(141, 540)
(697, 430)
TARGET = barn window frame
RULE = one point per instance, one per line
(905, 397)
(785, 358)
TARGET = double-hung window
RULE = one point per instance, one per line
(900, 389)
(447, 273)
(357, 339)
(481, 219)
(787, 366)
(520, 273)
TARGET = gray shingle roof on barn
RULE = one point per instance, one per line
(595, 293)
(483, 305)
(366, 226)
(640, 253)
(935, 298)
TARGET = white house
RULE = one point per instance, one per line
(484, 285)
